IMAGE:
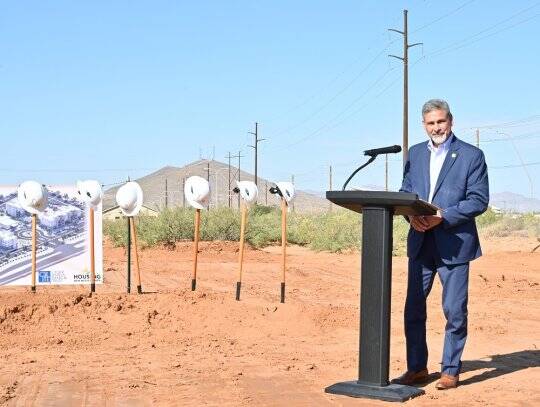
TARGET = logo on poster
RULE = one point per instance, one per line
(44, 276)
(58, 276)
(81, 278)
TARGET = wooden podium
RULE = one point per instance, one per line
(378, 209)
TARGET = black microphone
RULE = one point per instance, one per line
(373, 153)
(383, 150)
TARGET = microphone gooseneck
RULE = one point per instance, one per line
(371, 159)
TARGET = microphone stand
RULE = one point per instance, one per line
(371, 159)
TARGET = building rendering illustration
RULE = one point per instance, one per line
(61, 236)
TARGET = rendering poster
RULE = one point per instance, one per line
(63, 243)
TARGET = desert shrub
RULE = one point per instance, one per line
(169, 227)
(256, 210)
(334, 231)
(219, 224)
(505, 226)
(264, 226)
(489, 217)
(401, 230)
(532, 224)
(116, 232)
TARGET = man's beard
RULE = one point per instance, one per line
(438, 139)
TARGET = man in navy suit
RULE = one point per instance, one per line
(452, 175)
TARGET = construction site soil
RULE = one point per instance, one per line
(171, 346)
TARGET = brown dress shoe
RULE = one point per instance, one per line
(447, 382)
(409, 378)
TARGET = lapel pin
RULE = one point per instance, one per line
(454, 155)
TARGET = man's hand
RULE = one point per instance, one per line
(424, 223)
(418, 223)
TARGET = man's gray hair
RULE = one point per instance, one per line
(436, 104)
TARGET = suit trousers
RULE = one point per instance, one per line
(455, 280)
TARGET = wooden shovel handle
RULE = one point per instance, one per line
(196, 243)
(242, 238)
(283, 238)
(92, 250)
(34, 250)
(134, 233)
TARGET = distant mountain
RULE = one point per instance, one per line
(512, 202)
(164, 187)
(368, 187)
(172, 178)
(506, 201)
(320, 194)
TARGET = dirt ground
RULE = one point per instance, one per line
(171, 346)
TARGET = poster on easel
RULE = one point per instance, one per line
(63, 241)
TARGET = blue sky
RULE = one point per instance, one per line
(107, 89)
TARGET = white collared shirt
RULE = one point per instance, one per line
(438, 154)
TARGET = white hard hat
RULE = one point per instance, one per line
(32, 196)
(90, 192)
(129, 198)
(247, 190)
(286, 190)
(197, 191)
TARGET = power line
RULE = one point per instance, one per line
(465, 41)
(489, 35)
(329, 125)
(520, 160)
(513, 123)
(334, 97)
(339, 75)
(443, 16)
(500, 167)
(324, 126)
(371, 62)
(520, 137)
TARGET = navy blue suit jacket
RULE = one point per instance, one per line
(462, 192)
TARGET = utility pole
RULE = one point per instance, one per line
(239, 156)
(183, 193)
(255, 147)
(292, 180)
(229, 189)
(405, 60)
(330, 186)
(386, 172)
(166, 195)
(477, 138)
(208, 179)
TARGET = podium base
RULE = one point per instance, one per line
(392, 392)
